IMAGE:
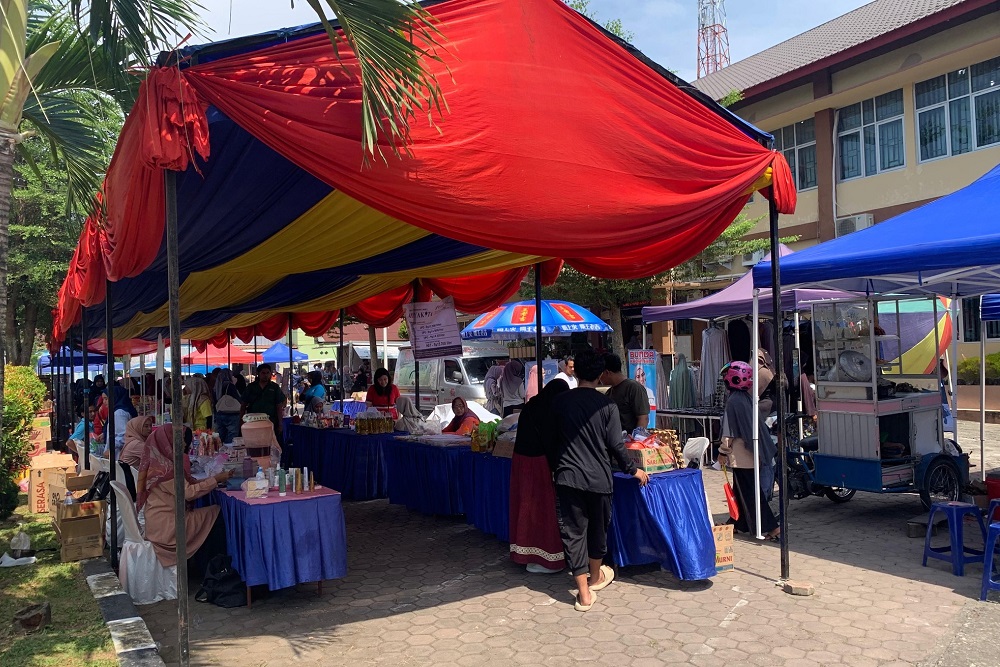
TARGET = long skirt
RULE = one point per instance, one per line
(534, 527)
(743, 481)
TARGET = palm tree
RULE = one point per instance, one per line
(61, 84)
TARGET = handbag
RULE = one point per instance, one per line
(734, 508)
(222, 585)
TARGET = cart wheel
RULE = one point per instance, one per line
(839, 495)
(942, 484)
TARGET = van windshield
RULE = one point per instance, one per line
(476, 367)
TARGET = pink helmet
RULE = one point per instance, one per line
(738, 376)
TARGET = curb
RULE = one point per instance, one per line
(133, 643)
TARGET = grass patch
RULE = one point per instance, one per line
(77, 636)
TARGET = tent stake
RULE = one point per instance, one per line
(177, 416)
(109, 428)
(538, 327)
(780, 398)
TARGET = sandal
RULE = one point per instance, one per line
(609, 576)
(585, 607)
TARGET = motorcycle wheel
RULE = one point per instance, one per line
(839, 495)
(942, 484)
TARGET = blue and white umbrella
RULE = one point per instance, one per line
(517, 320)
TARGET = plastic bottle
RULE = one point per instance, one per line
(69, 498)
(281, 482)
(260, 473)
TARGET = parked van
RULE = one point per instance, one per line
(441, 380)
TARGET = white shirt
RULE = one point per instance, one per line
(571, 381)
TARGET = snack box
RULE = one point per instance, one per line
(651, 460)
(60, 481)
(42, 466)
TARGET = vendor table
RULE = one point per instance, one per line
(425, 478)
(284, 541)
(703, 416)
(341, 459)
(485, 481)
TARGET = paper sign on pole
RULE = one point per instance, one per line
(433, 329)
(642, 368)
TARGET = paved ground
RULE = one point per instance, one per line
(433, 591)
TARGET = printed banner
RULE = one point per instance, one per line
(433, 329)
(642, 368)
(550, 368)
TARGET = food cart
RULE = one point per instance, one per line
(879, 429)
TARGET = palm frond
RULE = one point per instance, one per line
(390, 39)
(139, 28)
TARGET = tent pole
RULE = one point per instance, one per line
(780, 398)
(953, 366)
(72, 378)
(385, 348)
(109, 428)
(539, 374)
(86, 390)
(413, 347)
(796, 380)
(291, 398)
(982, 398)
(55, 364)
(755, 401)
(176, 414)
(340, 361)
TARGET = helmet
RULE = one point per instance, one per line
(738, 375)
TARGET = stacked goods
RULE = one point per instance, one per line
(649, 454)
(668, 439)
(79, 527)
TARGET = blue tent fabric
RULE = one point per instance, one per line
(278, 353)
(950, 247)
(990, 308)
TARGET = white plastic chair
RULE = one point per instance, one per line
(696, 449)
(140, 571)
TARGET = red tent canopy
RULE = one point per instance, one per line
(215, 355)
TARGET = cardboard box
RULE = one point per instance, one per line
(650, 460)
(41, 466)
(724, 557)
(60, 481)
(41, 433)
(504, 447)
(80, 529)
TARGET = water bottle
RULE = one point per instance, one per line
(69, 499)
(260, 473)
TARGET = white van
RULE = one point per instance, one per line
(441, 380)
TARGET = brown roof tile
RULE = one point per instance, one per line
(857, 27)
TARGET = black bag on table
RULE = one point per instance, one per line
(222, 585)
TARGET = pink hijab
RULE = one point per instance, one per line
(157, 464)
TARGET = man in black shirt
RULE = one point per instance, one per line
(589, 429)
(266, 396)
(630, 396)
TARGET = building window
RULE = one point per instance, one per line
(798, 144)
(959, 111)
(971, 323)
(870, 136)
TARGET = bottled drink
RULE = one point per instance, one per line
(69, 499)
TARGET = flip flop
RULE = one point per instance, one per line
(585, 607)
(609, 576)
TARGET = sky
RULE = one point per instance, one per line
(665, 30)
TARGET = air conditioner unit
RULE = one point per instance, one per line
(853, 223)
(751, 258)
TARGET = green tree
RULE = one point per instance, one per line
(614, 26)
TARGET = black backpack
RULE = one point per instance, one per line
(222, 585)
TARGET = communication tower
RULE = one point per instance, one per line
(713, 38)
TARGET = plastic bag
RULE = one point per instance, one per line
(20, 541)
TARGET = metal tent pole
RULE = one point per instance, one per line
(982, 398)
(780, 398)
(340, 361)
(86, 390)
(796, 380)
(55, 369)
(755, 400)
(291, 399)
(413, 347)
(538, 326)
(177, 416)
(109, 429)
(953, 365)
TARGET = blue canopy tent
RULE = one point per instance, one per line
(949, 247)
(278, 354)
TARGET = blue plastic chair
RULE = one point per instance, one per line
(992, 538)
(956, 551)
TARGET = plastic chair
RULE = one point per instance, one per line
(695, 449)
(956, 551)
(140, 571)
(992, 537)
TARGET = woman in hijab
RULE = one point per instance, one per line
(121, 411)
(534, 527)
(228, 401)
(736, 450)
(206, 532)
(316, 390)
(512, 386)
(97, 389)
(137, 430)
(410, 420)
(197, 404)
(465, 420)
(767, 389)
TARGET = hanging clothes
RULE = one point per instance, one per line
(682, 394)
(714, 355)
(739, 341)
(767, 338)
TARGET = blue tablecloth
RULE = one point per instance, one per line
(665, 522)
(286, 543)
(425, 478)
(343, 460)
(485, 481)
